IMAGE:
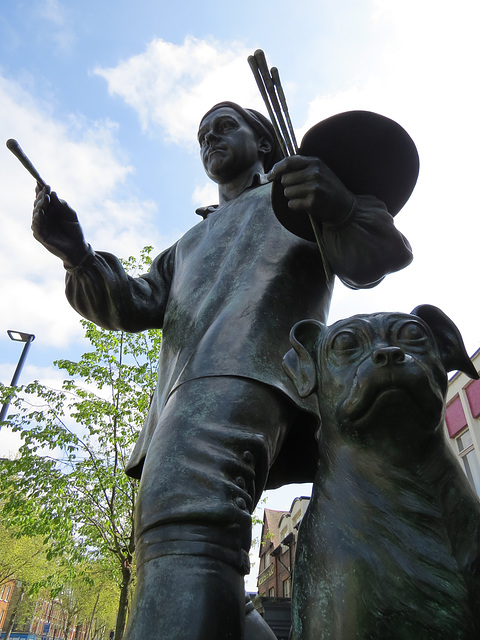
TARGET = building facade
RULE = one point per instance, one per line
(50, 620)
(10, 592)
(277, 549)
(462, 422)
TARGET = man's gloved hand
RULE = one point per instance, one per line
(310, 186)
(56, 226)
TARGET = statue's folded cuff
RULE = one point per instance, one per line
(347, 219)
(84, 262)
(239, 559)
(192, 540)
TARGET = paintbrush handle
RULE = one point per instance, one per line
(17, 151)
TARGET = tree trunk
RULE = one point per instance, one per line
(87, 636)
(123, 601)
(68, 623)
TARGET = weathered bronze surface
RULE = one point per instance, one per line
(390, 544)
(226, 420)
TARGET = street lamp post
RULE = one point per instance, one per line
(27, 338)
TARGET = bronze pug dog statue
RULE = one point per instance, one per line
(389, 547)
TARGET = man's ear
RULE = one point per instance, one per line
(264, 145)
(300, 362)
(449, 341)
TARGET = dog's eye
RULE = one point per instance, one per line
(412, 332)
(345, 341)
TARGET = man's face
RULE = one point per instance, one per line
(228, 145)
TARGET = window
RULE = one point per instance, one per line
(468, 455)
(271, 592)
(296, 517)
(287, 588)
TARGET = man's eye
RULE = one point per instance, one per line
(345, 341)
(412, 332)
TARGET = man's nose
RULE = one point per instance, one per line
(210, 136)
(384, 356)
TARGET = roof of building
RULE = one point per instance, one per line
(271, 520)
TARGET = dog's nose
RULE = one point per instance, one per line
(388, 356)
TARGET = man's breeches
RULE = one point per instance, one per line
(206, 468)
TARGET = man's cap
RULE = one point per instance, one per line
(260, 124)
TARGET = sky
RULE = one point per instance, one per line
(105, 98)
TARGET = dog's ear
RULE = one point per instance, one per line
(300, 362)
(449, 341)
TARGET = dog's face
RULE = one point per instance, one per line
(379, 368)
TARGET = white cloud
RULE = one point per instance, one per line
(52, 378)
(205, 194)
(89, 170)
(172, 86)
(10, 441)
(52, 11)
(59, 28)
(420, 75)
(423, 80)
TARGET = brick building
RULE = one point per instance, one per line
(48, 622)
(277, 558)
(10, 592)
(50, 619)
(277, 549)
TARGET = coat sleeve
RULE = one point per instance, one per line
(367, 246)
(101, 291)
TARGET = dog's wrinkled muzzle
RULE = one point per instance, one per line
(390, 370)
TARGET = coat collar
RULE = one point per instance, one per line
(257, 180)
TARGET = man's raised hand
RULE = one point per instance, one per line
(56, 226)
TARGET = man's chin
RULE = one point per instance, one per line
(220, 176)
(216, 172)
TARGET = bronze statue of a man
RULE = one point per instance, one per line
(226, 421)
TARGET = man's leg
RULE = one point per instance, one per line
(204, 473)
(187, 597)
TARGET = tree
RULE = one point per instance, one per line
(68, 482)
(89, 599)
(97, 602)
(22, 560)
